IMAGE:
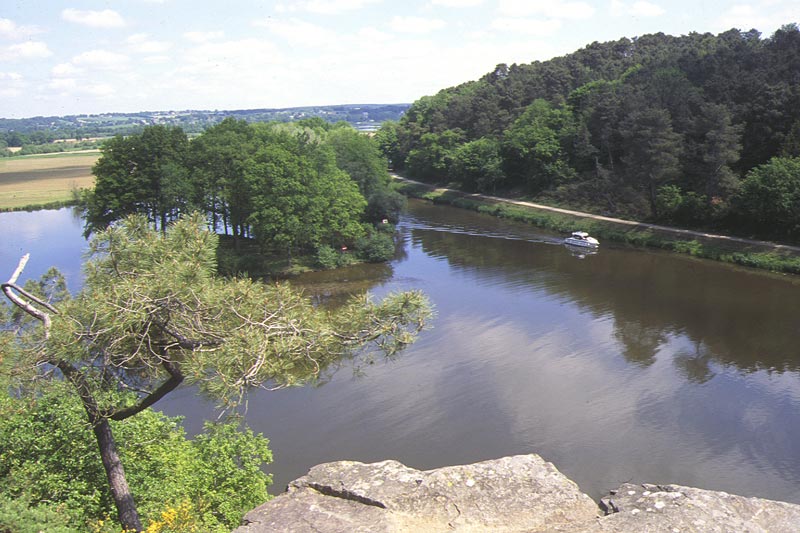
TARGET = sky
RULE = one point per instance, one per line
(91, 56)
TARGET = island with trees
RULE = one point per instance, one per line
(308, 188)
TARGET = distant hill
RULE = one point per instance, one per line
(45, 129)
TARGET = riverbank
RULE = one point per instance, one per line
(745, 252)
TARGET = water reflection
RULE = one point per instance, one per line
(741, 318)
(333, 288)
(52, 237)
(623, 365)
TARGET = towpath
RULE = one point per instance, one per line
(728, 240)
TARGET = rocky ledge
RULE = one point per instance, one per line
(522, 493)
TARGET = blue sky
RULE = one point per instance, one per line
(91, 56)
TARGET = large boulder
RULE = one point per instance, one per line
(512, 494)
(520, 494)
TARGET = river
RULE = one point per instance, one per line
(627, 365)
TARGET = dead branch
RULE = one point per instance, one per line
(11, 286)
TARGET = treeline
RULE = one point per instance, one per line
(699, 130)
(51, 148)
(18, 139)
(18, 132)
(293, 188)
(41, 142)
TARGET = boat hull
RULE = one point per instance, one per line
(580, 242)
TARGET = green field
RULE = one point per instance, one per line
(33, 181)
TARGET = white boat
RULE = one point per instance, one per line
(582, 239)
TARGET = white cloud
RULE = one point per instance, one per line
(101, 59)
(372, 35)
(553, 9)
(766, 17)
(235, 74)
(63, 84)
(325, 7)
(11, 84)
(231, 56)
(64, 70)
(203, 36)
(10, 76)
(156, 60)
(536, 27)
(416, 24)
(107, 18)
(101, 90)
(141, 43)
(26, 50)
(299, 32)
(10, 30)
(646, 9)
(456, 3)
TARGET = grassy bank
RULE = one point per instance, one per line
(757, 255)
(44, 181)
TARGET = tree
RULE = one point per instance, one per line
(300, 198)
(477, 165)
(359, 156)
(143, 173)
(652, 151)
(218, 162)
(533, 154)
(388, 143)
(769, 199)
(719, 150)
(153, 315)
(431, 159)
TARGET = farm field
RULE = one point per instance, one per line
(30, 181)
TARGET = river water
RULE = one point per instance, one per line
(627, 365)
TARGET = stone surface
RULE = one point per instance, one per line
(512, 494)
(521, 494)
(671, 508)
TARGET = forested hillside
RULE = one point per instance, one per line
(697, 130)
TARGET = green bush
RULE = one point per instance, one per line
(376, 248)
(328, 258)
(20, 515)
(688, 247)
(49, 461)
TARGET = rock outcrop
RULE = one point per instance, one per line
(513, 494)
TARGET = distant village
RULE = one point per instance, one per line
(364, 117)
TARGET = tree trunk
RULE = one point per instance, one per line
(120, 491)
(123, 498)
(115, 473)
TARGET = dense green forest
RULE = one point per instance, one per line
(307, 187)
(700, 130)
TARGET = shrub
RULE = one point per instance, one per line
(49, 462)
(376, 248)
(328, 258)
